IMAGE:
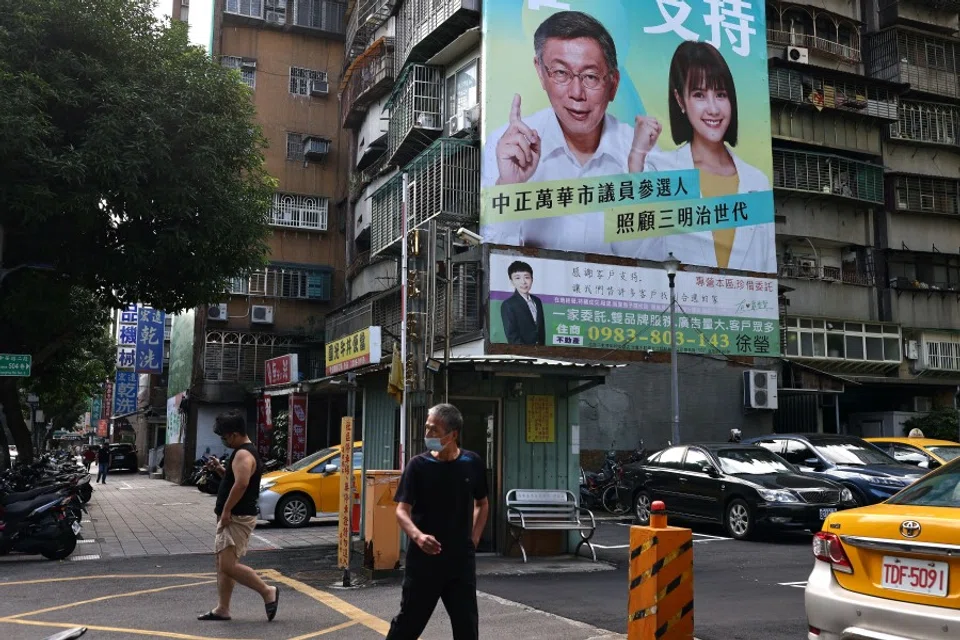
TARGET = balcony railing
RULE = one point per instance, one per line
(444, 183)
(819, 173)
(425, 27)
(416, 113)
(850, 52)
(816, 88)
(367, 16)
(924, 62)
(927, 122)
(826, 274)
(906, 284)
(367, 79)
(921, 194)
(299, 212)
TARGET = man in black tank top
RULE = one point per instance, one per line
(237, 516)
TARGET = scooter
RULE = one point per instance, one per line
(42, 526)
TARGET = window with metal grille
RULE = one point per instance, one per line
(835, 339)
(246, 67)
(299, 212)
(325, 15)
(942, 352)
(463, 89)
(251, 8)
(936, 55)
(286, 281)
(936, 123)
(300, 80)
(936, 195)
(295, 146)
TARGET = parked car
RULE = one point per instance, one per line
(926, 453)
(739, 486)
(124, 456)
(306, 489)
(870, 474)
(890, 570)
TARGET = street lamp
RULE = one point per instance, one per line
(671, 265)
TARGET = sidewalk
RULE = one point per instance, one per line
(133, 515)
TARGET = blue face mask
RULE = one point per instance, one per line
(434, 444)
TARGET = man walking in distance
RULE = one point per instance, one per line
(103, 461)
(442, 507)
(236, 511)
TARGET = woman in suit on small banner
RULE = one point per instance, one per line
(704, 122)
(522, 313)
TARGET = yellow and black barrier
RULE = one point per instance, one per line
(660, 604)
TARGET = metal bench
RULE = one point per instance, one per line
(547, 510)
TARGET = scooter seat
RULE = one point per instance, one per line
(23, 496)
(20, 510)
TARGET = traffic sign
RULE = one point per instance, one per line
(15, 364)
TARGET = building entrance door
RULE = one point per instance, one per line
(481, 434)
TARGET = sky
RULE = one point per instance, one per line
(201, 16)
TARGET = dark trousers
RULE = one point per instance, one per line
(104, 467)
(455, 585)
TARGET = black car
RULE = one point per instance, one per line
(124, 456)
(742, 487)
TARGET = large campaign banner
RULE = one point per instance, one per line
(561, 303)
(629, 128)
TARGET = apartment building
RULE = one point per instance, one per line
(864, 99)
(290, 54)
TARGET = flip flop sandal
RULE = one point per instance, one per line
(271, 607)
(210, 615)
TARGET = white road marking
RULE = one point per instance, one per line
(264, 541)
(796, 585)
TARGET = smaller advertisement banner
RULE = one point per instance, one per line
(175, 419)
(264, 427)
(125, 393)
(541, 419)
(297, 438)
(96, 410)
(149, 341)
(354, 350)
(346, 490)
(102, 428)
(282, 370)
(108, 400)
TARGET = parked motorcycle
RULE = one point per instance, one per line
(45, 525)
(209, 481)
(600, 489)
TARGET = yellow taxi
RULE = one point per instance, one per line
(308, 488)
(923, 452)
(890, 571)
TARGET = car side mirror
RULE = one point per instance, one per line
(711, 471)
(813, 463)
(331, 468)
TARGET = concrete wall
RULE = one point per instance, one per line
(925, 310)
(375, 277)
(820, 299)
(634, 403)
(823, 220)
(922, 159)
(920, 232)
(828, 128)
(919, 11)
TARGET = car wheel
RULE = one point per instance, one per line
(641, 507)
(739, 520)
(294, 510)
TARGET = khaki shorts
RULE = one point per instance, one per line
(236, 534)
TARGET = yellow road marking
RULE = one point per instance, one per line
(102, 598)
(121, 576)
(91, 627)
(340, 606)
(344, 625)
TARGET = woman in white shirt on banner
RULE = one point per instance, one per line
(705, 123)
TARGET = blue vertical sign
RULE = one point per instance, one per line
(125, 393)
(149, 341)
(127, 338)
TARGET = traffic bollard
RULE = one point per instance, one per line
(660, 602)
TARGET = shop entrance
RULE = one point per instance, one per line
(481, 434)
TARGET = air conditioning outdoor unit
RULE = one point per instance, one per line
(315, 147)
(248, 63)
(217, 311)
(913, 350)
(453, 125)
(808, 268)
(276, 17)
(319, 88)
(798, 54)
(261, 314)
(759, 389)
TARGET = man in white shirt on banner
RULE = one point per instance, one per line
(576, 61)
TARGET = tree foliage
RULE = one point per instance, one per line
(131, 166)
(939, 424)
(131, 162)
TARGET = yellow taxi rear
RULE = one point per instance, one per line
(890, 571)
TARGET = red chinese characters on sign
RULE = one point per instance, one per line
(264, 427)
(108, 401)
(282, 370)
(102, 428)
(297, 438)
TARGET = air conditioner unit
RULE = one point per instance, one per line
(759, 389)
(276, 17)
(807, 268)
(315, 147)
(923, 405)
(913, 350)
(798, 54)
(319, 88)
(248, 63)
(926, 202)
(453, 125)
(217, 312)
(473, 115)
(261, 314)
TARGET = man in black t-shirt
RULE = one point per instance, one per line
(442, 507)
